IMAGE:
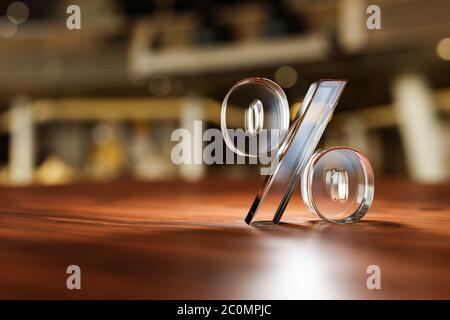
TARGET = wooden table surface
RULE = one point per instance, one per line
(188, 241)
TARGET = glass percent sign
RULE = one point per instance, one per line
(337, 183)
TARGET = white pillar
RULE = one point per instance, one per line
(352, 29)
(21, 156)
(419, 127)
(191, 119)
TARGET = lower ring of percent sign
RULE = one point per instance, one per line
(336, 184)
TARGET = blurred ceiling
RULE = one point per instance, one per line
(125, 47)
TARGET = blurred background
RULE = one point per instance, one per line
(101, 103)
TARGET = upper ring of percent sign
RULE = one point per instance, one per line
(255, 117)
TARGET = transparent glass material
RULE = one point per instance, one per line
(297, 149)
(338, 185)
(255, 117)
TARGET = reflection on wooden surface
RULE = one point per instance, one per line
(178, 240)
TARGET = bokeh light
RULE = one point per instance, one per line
(286, 76)
(443, 49)
(18, 12)
(7, 28)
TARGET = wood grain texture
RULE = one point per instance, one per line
(188, 241)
